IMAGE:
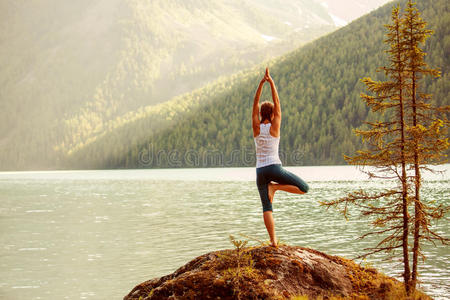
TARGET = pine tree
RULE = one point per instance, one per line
(409, 136)
(427, 130)
(386, 151)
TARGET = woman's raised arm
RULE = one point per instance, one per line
(276, 122)
(255, 112)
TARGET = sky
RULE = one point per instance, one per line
(345, 11)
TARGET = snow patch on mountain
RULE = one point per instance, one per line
(268, 38)
(338, 21)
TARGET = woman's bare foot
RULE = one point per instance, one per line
(271, 190)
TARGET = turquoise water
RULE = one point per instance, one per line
(96, 234)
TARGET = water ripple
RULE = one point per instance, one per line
(97, 234)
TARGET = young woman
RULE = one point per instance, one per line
(270, 175)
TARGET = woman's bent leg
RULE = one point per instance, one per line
(284, 177)
(273, 187)
(286, 181)
(270, 226)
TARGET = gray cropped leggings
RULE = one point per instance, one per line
(278, 174)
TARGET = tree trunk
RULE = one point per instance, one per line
(406, 274)
(417, 180)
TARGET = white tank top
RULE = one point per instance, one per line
(266, 147)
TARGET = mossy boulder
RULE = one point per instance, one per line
(265, 272)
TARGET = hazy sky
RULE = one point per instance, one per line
(348, 10)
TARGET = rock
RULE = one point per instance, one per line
(268, 273)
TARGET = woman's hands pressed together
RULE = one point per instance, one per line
(267, 76)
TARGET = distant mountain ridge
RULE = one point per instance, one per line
(72, 72)
(70, 69)
(319, 88)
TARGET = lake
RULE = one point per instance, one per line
(96, 234)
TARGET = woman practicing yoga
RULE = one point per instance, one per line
(270, 175)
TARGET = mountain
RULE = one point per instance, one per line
(71, 71)
(70, 68)
(319, 89)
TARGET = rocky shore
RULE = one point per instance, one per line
(264, 272)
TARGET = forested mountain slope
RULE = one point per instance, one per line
(319, 89)
(72, 70)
